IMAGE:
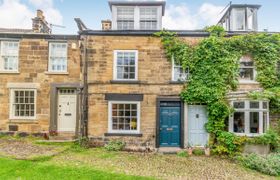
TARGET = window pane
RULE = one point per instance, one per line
(265, 106)
(254, 105)
(239, 105)
(265, 115)
(239, 19)
(250, 20)
(179, 74)
(239, 122)
(9, 53)
(246, 74)
(254, 122)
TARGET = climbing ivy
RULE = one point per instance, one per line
(214, 69)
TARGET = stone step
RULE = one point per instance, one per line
(63, 136)
(169, 150)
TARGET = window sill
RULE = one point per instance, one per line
(57, 73)
(23, 121)
(177, 82)
(9, 72)
(125, 82)
(248, 135)
(248, 82)
(124, 134)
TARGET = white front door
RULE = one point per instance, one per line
(66, 112)
(197, 118)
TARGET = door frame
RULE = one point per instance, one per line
(54, 102)
(182, 127)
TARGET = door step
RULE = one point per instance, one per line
(63, 136)
(169, 150)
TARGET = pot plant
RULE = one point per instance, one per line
(190, 149)
(207, 150)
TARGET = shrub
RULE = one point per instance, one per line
(269, 138)
(198, 152)
(266, 164)
(115, 146)
(182, 154)
(83, 142)
(229, 144)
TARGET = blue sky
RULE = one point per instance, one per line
(181, 14)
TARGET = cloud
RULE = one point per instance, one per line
(17, 14)
(13, 14)
(179, 17)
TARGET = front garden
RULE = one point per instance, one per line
(74, 162)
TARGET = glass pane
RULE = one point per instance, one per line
(265, 118)
(239, 105)
(246, 74)
(254, 122)
(265, 106)
(254, 105)
(239, 19)
(239, 122)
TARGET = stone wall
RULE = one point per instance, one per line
(33, 68)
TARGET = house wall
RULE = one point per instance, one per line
(154, 75)
(33, 67)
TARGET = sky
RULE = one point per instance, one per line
(180, 14)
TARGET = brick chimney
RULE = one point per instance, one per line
(39, 24)
(106, 25)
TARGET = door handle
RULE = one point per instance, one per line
(169, 129)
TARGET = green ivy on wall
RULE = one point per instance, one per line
(214, 68)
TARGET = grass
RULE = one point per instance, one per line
(20, 169)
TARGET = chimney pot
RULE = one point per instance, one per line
(106, 25)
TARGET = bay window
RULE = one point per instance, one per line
(250, 117)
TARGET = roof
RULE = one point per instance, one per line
(14, 35)
(231, 6)
(14, 30)
(138, 3)
(187, 33)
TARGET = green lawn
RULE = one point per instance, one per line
(23, 169)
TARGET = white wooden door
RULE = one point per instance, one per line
(197, 118)
(67, 107)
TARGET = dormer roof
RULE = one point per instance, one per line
(137, 3)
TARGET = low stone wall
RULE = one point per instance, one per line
(257, 149)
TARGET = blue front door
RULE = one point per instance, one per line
(169, 126)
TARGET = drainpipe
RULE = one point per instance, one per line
(84, 115)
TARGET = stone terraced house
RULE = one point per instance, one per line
(117, 82)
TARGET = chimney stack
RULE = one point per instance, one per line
(39, 24)
(106, 25)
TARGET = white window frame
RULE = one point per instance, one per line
(2, 64)
(247, 111)
(173, 73)
(49, 62)
(115, 73)
(253, 67)
(156, 20)
(12, 97)
(124, 20)
(110, 123)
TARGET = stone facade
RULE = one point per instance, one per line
(33, 71)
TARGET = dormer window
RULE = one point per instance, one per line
(125, 18)
(240, 17)
(137, 15)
